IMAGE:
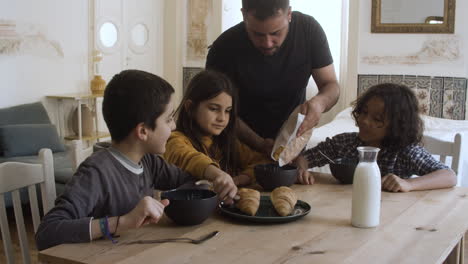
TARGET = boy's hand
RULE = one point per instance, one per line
(303, 175)
(393, 183)
(148, 210)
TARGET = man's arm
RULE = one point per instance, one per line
(252, 139)
(328, 94)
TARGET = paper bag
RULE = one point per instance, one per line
(287, 146)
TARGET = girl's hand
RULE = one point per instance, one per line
(241, 180)
(148, 210)
(303, 175)
(393, 183)
(223, 184)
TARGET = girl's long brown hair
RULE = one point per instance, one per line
(205, 86)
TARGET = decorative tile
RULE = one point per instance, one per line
(448, 83)
(397, 79)
(436, 105)
(460, 84)
(188, 73)
(424, 100)
(437, 83)
(438, 96)
(366, 81)
(385, 78)
(423, 82)
(459, 100)
(410, 81)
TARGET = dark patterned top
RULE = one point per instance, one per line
(412, 160)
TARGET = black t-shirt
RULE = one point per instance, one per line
(270, 87)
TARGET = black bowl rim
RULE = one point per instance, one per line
(287, 167)
(213, 194)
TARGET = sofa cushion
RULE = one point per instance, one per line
(34, 113)
(28, 139)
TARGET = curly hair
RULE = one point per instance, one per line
(263, 9)
(204, 86)
(401, 109)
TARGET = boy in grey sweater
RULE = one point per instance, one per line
(112, 189)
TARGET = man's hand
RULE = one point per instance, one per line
(313, 112)
(267, 146)
(393, 183)
(148, 210)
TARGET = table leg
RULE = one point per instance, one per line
(455, 256)
(462, 250)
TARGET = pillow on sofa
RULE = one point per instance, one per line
(28, 139)
(34, 113)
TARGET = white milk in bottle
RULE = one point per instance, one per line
(366, 189)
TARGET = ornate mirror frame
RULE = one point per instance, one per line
(447, 27)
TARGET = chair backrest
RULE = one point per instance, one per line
(15, 176)
(78, 153)
(445, 149)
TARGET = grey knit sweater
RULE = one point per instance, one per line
(101, 187)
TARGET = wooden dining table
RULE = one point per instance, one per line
(415, 227)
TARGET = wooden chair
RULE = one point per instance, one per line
(15, 176)
(452, 149)
(449, 152)
(78, 153)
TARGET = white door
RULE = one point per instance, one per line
(129, 35)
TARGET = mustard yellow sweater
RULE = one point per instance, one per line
(181, 152)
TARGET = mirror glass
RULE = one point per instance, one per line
(410, 11)
(108, 34)
(139, 35)
(413, 16)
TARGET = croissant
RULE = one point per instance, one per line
(283, 199)
(249, 201)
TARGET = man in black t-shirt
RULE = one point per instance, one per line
(270, 57)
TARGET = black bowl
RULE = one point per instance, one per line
(270, 176)
(343, 170)
(190, 206)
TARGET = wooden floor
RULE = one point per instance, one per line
(32, 244)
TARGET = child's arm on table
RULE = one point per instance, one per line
(147, 211)
(303, 175)
(443, 178)
(223, 183)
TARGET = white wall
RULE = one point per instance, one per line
(402, 45)
(29, 76)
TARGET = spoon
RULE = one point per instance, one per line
(326, 157)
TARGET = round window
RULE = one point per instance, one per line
(108, 34)
(139, 35)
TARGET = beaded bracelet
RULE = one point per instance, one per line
(104, 225)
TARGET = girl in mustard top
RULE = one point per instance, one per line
(205, 142)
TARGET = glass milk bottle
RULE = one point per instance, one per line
(366, 189)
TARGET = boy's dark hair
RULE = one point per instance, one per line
(401, 109)
(205, 86)
(133, 97)
(263, 9)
